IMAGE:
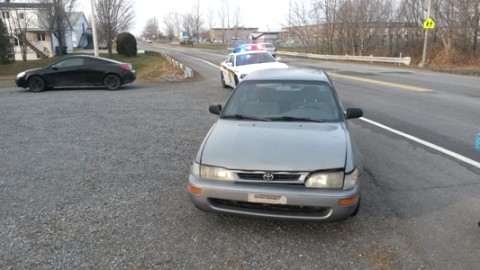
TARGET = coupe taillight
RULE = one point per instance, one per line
(126, 67)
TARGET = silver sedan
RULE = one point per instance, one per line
(281, 148)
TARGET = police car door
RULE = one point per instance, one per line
(228, 74)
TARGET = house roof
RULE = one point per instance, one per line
(73, 17)
(5, 5)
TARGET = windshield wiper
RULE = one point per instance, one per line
(293, 118)
(249, 117)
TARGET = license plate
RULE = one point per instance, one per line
(264, 198)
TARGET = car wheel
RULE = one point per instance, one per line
(224, 85)
(112, 82)
(36, 84)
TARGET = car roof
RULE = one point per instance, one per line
(92, 57)
(288, 74)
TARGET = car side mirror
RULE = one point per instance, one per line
(215, 109)
(353, 113)
(278, 58)
(229, 64)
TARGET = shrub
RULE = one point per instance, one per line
(6, 47)
(126, 44)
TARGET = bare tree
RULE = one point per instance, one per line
(188, 24)
(237, 19)
(56, 18)
(151, 29)
(210, 21)
(222, 16)
(196, 20)
(169, 22)
(113, 17)
(301, 24)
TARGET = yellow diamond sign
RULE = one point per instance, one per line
(429, 24)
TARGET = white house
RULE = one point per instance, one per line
(41, 43)
(81, 31)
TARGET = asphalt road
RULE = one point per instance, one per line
(97, 179)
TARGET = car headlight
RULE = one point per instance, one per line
(211, 172)
(243, 76)
(352, 179)
(325, 180)
(21, 74)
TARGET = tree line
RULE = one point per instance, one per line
(388, 28)
(358, 27)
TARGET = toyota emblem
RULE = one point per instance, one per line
(268, 177)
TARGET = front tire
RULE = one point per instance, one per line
(37, 84)
(112, 82)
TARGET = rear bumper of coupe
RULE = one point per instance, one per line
(273, 201)
(128, 77)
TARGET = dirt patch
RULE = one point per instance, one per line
(380, 259)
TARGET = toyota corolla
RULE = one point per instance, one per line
(281, 148)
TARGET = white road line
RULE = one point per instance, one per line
(405, 135)
(205, 61)
(425, 143)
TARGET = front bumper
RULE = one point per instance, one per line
(21, 82)
(298, 202)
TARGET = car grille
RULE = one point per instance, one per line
(276, 177)
(275, 209)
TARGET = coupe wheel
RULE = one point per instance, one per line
(112, 82)
(222, 79)
(36, 84)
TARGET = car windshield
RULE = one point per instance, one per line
(254, 58)
(302, 101)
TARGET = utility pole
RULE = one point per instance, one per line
(424, 62)
(94, 30)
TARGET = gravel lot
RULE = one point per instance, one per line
(92, 178)
(96, 179)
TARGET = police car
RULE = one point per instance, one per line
(238, 65)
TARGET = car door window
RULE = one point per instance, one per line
(72, 62)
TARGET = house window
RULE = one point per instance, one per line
(5, 15)
(21, 15)
(41, 36)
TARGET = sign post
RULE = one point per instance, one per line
(427, 24)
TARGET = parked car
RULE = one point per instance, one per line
(269, 48)
(102, 45)
(75, 71)
(281, 148)
(237, 65)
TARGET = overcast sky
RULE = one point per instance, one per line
(265, 14)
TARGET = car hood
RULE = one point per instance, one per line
(275, 146)
(28, 71)
(253, 67)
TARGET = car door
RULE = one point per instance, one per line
(67, 72)
(227, 70)
(94, 71)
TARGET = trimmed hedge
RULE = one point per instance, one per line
(126, 44)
